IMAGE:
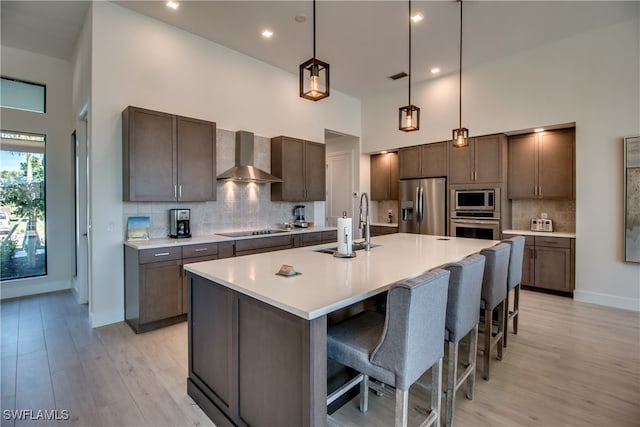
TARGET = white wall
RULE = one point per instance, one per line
(55, 74)
(143, 62)
(591, 79)
(80, 94)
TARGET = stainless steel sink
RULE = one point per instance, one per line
(333, 249)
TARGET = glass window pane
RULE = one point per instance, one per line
(22, 201)
(22, 95)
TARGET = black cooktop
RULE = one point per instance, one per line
(251, 233)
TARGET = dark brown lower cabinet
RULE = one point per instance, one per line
(153, 288)
(251, 364)
(549, 263)
(381, 230)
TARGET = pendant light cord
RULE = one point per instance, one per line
(409, 52)
(460, 76)
(314, 29)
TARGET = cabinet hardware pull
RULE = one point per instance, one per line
(180, 192)
(201, 249)
(540, 191)
(175, 191)
(161, 254)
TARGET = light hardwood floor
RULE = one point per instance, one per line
(571, 364)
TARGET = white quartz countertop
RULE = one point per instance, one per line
(328, 283)
(541, 233)
(212, 238)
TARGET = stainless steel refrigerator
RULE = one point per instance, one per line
(423, 206)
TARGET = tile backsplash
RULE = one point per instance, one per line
(380, 211)
(561, 212)
(239, 206)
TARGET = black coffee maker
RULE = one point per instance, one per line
(298, 215)
(179, 223)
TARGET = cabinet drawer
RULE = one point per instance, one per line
(278, 242)
(555, 242)
(146, 256)
(329, 236)
(311, 239)
(204, 249)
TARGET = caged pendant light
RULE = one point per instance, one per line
(460, 135)
(314, 74)
(409, 115)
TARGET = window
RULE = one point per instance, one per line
(22, 201)
(21, 95)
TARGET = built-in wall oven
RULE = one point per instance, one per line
(475, 213)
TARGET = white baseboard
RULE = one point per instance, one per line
(625, 303)
(102, 319)
(25, 287)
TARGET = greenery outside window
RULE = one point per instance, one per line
(22, 199)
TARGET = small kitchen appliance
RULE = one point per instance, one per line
(298, 214)
(541, 224)
(179, 223)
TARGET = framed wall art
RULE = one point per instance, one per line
(632, 199)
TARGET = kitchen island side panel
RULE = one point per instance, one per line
(275, 361)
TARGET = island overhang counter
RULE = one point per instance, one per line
(257, 340)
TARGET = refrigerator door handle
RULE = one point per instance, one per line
(417, 204)
(421, 205)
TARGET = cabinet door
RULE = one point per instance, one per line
(196, 160)
(160, 291)
(394, 178)
(528, 266)
(522, 167)
(488, 158)
(555, 164)
(315, 165)
(380, 177)
(553, 268)
(434, 160)
(461, 165)
(409, 162)
(149, 156)
(287, 162)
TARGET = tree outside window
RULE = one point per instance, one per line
(22, 196)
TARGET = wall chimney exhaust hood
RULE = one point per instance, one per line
(244, 171)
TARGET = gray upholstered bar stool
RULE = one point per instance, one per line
(465, 287)
(514, 278)
(399, 347)
(494, 292)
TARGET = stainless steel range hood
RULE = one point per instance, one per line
(244, 171)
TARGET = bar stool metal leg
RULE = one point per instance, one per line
(473, 353)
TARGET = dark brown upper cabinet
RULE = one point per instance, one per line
(423, 161)
(301, 165)
(483, 161)
(167, 158)
(542, 165)
(384, 176)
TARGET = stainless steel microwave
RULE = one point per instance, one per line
(476, 200)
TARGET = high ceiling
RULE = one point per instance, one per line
(363, 41)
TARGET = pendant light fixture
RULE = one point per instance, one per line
(314, 74)
(409, 115)
(460, 135)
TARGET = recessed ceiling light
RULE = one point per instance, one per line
(384, 152)
(417, 18)
(173, 5)
(538, 130)
(267, 33)
(301, 17)
(435, 70)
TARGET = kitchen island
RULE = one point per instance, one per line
(257, 340)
